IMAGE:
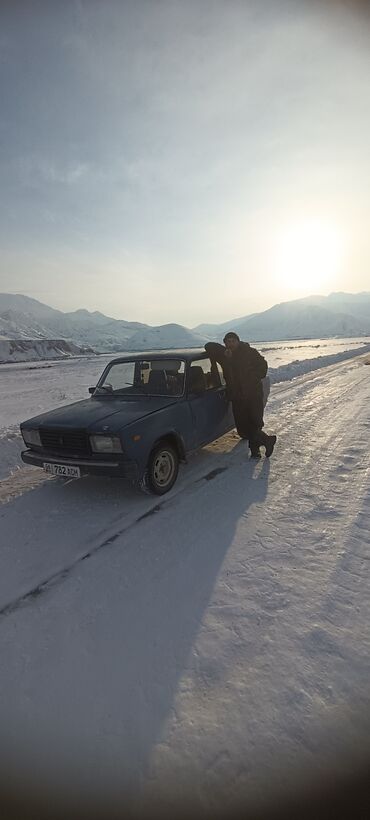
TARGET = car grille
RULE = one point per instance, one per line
(74, 442)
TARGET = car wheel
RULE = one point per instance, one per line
(163, 468)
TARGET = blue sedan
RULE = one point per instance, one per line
(147, 412)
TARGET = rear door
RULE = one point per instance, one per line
(211, 411)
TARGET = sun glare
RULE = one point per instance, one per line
(308, 254)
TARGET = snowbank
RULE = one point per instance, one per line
(28, 350)
(299, 368)
(11, 445)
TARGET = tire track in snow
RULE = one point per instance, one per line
(47, 583)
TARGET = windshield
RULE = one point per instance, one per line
(159, 377)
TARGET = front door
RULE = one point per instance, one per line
(211, 411)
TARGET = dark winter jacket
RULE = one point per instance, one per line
(248, 368)
(243, 371)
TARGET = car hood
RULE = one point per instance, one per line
(101, 415)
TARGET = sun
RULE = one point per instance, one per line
(308, 254)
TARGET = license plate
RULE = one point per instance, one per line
(62, 469)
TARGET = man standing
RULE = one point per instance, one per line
(244, 368)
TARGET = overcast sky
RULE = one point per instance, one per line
(183, 161)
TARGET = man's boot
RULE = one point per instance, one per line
(270, 444)
(254, 448)
(255, 452)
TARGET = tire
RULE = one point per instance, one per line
(163, 468)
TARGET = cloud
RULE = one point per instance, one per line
(34, 170)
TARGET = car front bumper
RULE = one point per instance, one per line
(121, 469)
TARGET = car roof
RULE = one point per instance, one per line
(188, 354)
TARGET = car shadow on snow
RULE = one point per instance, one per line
(49, 528)
(132, 621)
(184, 588)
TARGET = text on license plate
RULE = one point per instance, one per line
(62, 470)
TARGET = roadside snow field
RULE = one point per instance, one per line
(205, 645)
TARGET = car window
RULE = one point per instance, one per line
(163, 377)
(120, 375)
(204, 375)
(221, 374)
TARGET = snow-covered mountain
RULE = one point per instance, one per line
(294, 321)
(217, 330)
(353, 304)
(24, 318)
(165, 336)
(339, 314)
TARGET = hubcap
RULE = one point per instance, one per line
(164, 466)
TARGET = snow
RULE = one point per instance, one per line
(286, 351)
(23, 350)
(11, 445)
(29, 389)
(207, 645)
(301, 366)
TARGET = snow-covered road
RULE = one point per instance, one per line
(203, 643)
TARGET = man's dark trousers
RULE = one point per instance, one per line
(248, 415)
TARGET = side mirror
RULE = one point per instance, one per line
(92, 390)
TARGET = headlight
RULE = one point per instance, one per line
(31, 438)
(105, 444)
